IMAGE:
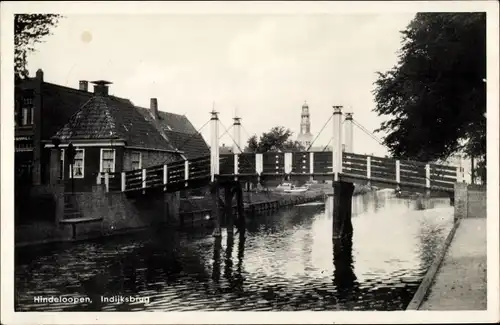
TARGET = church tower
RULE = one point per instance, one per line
(305, 137)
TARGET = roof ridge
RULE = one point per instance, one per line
(108, 114)
(83, 92)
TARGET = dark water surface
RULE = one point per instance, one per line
(285, 261)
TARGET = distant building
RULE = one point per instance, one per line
(325, 148)
(305, 137)
(224, 150)
(465, 166)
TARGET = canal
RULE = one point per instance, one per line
(286, 261)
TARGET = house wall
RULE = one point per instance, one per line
(91, 168)
(29, 87)
(149, 158)
(123, 162)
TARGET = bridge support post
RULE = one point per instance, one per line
(228, 207)
(342, 209)
(241, 223)
(215, 208)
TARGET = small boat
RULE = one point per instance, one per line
(284, 186)
(299, 189)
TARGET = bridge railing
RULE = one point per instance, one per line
(173, 173)
(354, 166)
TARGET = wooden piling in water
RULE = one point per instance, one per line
(342, 209)
(216, 209)
(228, 207)
(240, 207)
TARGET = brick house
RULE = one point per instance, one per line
(111, 135)
(41, 108)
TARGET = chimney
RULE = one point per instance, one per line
(84, 85)
(39, 74)
(101, 87)
(154, 107)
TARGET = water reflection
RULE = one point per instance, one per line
(282, 262)
(344, 278)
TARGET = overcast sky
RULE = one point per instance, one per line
(263, 66)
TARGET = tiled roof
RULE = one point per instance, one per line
(109, 117)
(180, 132)
(59, 104)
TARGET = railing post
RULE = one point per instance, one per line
(186, 172)
(124, 183)
(106, 181)
(337, 142)
(165, 177)
(143, 180)
(214, 146)
(459, 175)
(288, 162)
(398, 172)
(427, 176)
(368, 167)
(259, 163)
(349, 141)
(311, 163)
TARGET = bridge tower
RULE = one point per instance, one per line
(214, 171)
(214, 145)
(342, 191)
(237, 135)
(337, 142)
(349, 140)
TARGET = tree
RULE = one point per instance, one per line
(436, 94)
(30, 29)
(277, 139)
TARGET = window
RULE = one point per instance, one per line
(136, 160)
(25, 116)
(61, 165)
(28, 116)
(78, 168)
(107, 161)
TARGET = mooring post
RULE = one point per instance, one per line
(228, 208)
(215, 208)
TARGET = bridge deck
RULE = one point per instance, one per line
(378, 171)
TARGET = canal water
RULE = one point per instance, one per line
(286, 261)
